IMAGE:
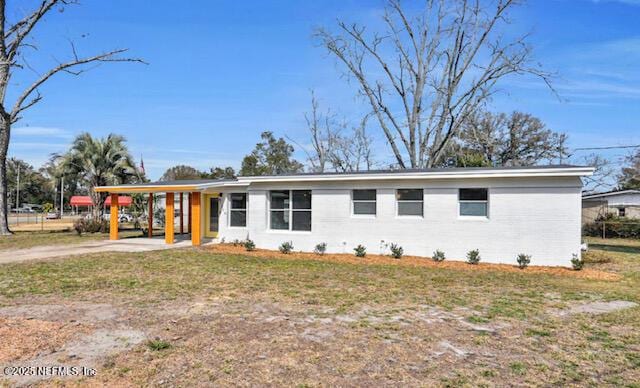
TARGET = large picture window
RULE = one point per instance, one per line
(364, 202)
(473, 202)
(290, 210)
(238, 209)
(410, 202)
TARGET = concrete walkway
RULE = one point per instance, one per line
(125, 245)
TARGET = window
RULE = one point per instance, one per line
(364, 202)
(238, 209)
(410, 202)
(473, 202)
(287, 214)
(621, 212)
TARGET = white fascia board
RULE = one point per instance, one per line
(592, 196)
(519, 173)
(205, 186)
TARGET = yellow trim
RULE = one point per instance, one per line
(194, 216)
(207, 214)
(169, 219)
(143, 189)
(113, 221)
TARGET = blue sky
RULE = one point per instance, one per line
(221, 72)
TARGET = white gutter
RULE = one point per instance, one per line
(499, 173)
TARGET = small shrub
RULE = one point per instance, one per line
(523, 260)
(576, 262)
(473, 257)
(438, 256)
(286, 247)
(91, 225)
(360, 250)
(396, 251)
(320, 248)
(249, 245)
(158, 344)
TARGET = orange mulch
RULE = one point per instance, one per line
(414, 261)
(22, 338)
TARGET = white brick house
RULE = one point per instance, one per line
(500, 211)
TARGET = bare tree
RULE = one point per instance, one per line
(603, 177)
(518, 139)
(333, 144)
(437, 69)
(352, 151)
(13, 37)
(321, 134)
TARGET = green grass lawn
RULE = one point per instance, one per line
(533, 347)
(20, 240)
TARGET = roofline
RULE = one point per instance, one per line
(150, 188)
(442, 174)
(243, 181)
(609, 193)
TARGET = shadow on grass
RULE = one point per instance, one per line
(615, 248)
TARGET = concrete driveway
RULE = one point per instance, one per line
(125, 245)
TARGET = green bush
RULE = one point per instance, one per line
(249, 245)
(286, 247)
(615, 227)
(91, 225)
(360, 250)
(473, 257)
(396, 251)
(577, 263)
(438, 256)
(320, 248)
(523, 260)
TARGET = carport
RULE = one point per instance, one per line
(189, 189)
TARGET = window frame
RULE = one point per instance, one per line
(397, 202)
(374, 201)
(232, 209)
(486, 202)
(290, 210)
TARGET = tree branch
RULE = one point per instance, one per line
(111, 56)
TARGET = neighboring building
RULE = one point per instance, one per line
(622, 203)
(500, 211)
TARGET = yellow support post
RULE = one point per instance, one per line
(150, 218)
(169, 219)
(194, 214)
(113, 221)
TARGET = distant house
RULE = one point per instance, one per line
(623, 203)
(500, 211)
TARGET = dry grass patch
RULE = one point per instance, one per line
(24, 338)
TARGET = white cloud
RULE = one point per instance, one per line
(42, 131)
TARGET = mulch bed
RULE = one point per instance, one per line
(414, 261)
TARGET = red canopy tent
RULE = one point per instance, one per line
(85, 200)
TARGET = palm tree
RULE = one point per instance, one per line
(100, 162)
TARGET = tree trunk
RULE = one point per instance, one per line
(5, 129)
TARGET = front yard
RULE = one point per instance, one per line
(200, 316)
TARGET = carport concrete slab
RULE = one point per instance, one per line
(141, 244)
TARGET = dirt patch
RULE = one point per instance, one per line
(73, 335)
(414, 261)
(22, 338)
(596, 308)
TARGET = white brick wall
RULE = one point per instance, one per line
(536, 216)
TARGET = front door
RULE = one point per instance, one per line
(212, 216)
